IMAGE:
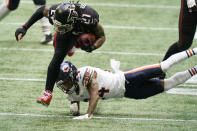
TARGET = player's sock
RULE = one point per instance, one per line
(3, 10)
(179, 78)
(177, 58)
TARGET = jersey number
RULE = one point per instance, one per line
(102, 91)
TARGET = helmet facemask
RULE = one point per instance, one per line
(65, 17)
(66, 89)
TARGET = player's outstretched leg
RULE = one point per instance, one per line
(179, 78)
(177, 58)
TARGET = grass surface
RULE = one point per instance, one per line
(19, 96)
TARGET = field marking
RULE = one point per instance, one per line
(79, 51)
(182, 91)
(106, 118)
(112, 27)
(22, 79)
(119, 5)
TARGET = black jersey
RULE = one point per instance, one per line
(86, 21)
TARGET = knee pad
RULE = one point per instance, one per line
(13, 4)
(39, 2)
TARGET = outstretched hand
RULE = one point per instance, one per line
(20, 32)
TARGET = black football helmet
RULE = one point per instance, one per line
(65, 17)
(67, 72)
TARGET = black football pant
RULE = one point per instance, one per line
(187, 28)
(143, 82)
(62, 44)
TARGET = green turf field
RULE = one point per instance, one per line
(138, 32)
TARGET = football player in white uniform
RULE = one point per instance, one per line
(91, 84)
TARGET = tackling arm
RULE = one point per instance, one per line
(94, 97)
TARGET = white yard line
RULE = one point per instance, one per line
(107, 118)
(22, 79)
(118, 5)
(79, 51)
(183, 91)
(112, 27)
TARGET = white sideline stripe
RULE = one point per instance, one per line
(113, 27)
(107, 118)
(97, 52)
(118, 5)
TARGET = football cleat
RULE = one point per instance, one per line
(46, 98)
(47, 40)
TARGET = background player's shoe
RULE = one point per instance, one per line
(47, 40)
(46, 98)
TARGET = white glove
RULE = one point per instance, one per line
(115, 65)
(83, 117)
(74, 109)
(191, 3)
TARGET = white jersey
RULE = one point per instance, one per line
(110, 85)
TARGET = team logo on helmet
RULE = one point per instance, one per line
(65, 17)
(65, 68)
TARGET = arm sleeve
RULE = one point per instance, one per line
(35, 17)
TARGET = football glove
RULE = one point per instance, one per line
(87, 46)
(20, 32)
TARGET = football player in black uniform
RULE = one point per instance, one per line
(69, 20)
(187, 27)
(9, 5)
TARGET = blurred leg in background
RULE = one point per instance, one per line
(47, 39)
